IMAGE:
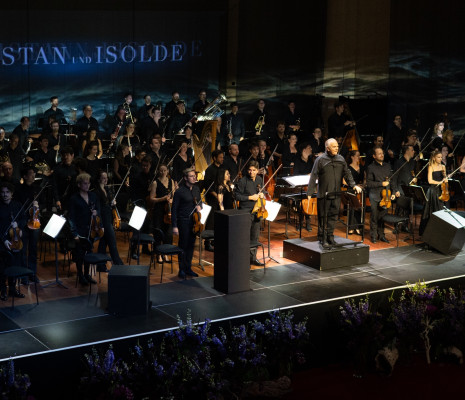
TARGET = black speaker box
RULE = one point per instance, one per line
(445, 232)
(232, 251)
(128, 289)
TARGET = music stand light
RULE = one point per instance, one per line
(53, 229)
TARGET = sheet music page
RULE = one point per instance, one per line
(297, 180)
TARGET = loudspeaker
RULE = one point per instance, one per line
(232, 251)
(445, 232)
(128, 289)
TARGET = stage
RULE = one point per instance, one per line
(73, 322)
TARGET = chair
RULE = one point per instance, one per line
(397, 221)
(256, 245)
(165, 250)
(204, 235)
(17, 273)
(139, 239)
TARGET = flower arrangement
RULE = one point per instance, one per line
(13, 385)
(362, 328)
(193, 362)
(416, 315)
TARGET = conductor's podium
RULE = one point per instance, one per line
(312, 254)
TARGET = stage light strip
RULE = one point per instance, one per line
(222, 319)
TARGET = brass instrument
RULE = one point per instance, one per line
(3, 159)
(297, 125)
(211, 112)
(127, 108)
(43, 168)
(259, 124)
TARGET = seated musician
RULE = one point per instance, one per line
(303, 166)
(329, 169)
(82, 206)
(247, 193)
(290, 155)
(44, 157)
(358, 173)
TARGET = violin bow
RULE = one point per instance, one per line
(271, 177)
(242, 168)
(122, 183)
(448, 176)
(206, 191)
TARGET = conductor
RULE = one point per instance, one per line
(329, 169)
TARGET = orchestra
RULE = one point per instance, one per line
(171, 161)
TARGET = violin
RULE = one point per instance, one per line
(116, 218)
(259, 208)
(96, 228)
(167, 216)
(15, 238)
(198, 227)
(385, 197)
(33, 222)
(445, 195)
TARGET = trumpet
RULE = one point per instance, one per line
(259, 124)
(127, 108)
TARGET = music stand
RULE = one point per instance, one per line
(273, 210)
(52, 229)
(136, 221)
(298, 181)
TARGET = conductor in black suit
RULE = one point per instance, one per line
(329, 169)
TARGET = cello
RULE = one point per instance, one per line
(268, 176)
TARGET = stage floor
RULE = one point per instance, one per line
(63, 323)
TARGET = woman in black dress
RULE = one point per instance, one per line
(290, 155)
(161, 198)
(225, 190)
(358, 173)
(181, 162)
(106, 201)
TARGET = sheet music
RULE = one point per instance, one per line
(297, 180)
(54, 226)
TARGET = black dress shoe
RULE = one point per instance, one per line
(209, 247)
(331, 241)
(134, 256)
(258, 263)
(383, 239)
(89, 279)
(82, 281)
(182, 275)
(3, 296)
(192, 273)
(15, 293)
(373, 239)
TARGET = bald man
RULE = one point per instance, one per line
(329, 169)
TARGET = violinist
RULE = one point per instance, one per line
(155, 153)
(121, 166)
(247, 193)
(9, 208)
(161, 195)
(378, 184)
(358, 173)
(93, 162)
(329, 169)
(278, 138)
(225, 190)
(406, 173)
(106, 202)
(436, 177)
(129, 137)
(184, 205)
(25, 194)
(263, 156)
(438, 130)
(232, 161)
(303, 166)
(82, 206)
(91, 137)
(152, 124)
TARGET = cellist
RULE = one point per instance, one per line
(247, 193)
(303, 166)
